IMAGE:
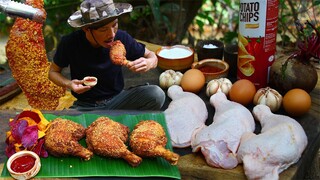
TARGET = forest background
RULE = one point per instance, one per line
(170, 22)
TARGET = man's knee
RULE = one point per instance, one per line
(157, 94)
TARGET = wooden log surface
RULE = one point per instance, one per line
(193, 166)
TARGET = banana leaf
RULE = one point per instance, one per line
(99, 166)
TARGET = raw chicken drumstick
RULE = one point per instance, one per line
(184, 105)
(220, 140)
(62, 138)
(148, 139)
(106, 137)
(279, 145)
(118, 53)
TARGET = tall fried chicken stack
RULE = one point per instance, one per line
(148, 139)
(28, 61)
(106, 137)
(62, 138)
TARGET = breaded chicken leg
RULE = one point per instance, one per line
(106, 137)
(118, 53)
(62, 138)
(148, 139)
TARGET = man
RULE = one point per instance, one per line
(86, 52)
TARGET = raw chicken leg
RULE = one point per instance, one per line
(185, 115)
(280, 144)
(220, 140)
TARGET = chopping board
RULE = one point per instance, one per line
(199, 169)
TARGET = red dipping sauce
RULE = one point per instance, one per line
(210, 69)
(23, 164)
(91, 80)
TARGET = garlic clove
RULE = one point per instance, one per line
(218, 85)
(169, 78)
(177, 78)
(268, 96)
(212, 87)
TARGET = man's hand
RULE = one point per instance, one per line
(139, 65)
(78, 87)
(144, 64)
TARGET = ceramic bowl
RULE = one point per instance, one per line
(207, 49)
(28, 174)
(212, 68)
(178, 57)
(90, 81)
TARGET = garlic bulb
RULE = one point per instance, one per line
(169, 78)
(218, 85)
(268, 96)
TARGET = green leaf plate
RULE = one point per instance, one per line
(99, 166)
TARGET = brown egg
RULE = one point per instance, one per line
(242, 91)
(296, 102)
(192, 80)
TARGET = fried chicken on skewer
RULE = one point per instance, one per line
(62, 138)
(118, 53)
(148, 139)
(106, 137)
(28, 61)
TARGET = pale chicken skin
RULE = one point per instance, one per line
(118, 53)
(148, 139)
(219, 141)
(185, 115)
(62, 138)
(280, 144)
(106, 137)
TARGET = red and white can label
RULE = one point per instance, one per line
(258, 21)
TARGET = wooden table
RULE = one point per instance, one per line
(193, 166)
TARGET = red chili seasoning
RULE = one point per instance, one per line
(23, 164)
(210, 69)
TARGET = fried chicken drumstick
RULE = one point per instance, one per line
(148, 139)
(62, 138)
(118, 53)
(106, 137)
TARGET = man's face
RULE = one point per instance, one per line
(104, 35)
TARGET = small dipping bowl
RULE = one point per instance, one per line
(212, 68)
(178, 57)
(90, 81)
(23, 160)
(209, 49)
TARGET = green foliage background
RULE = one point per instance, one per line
(163, 21)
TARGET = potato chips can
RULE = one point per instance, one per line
(258, 22)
